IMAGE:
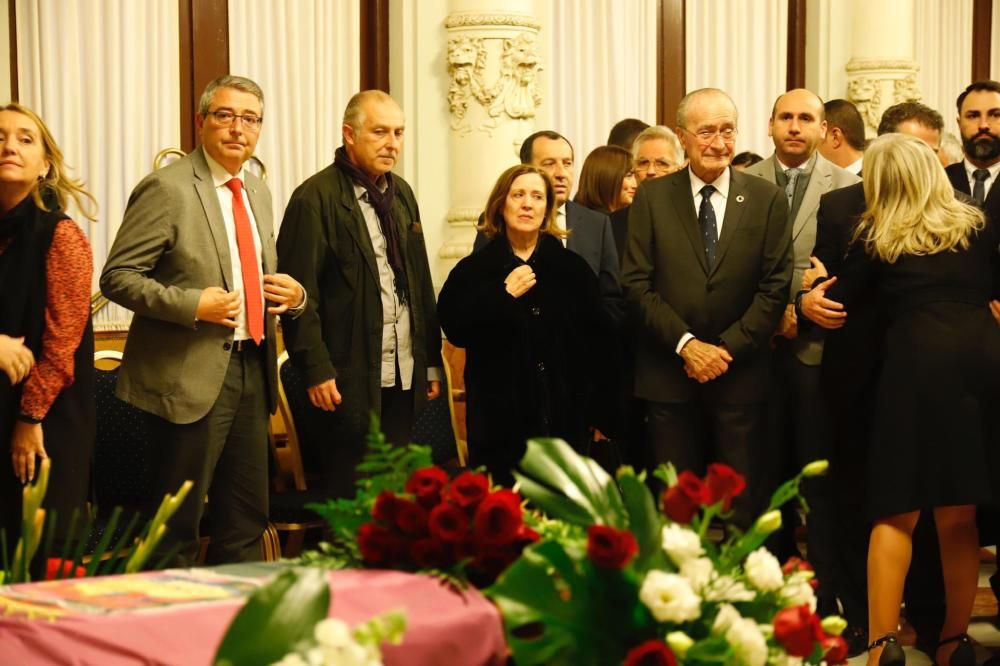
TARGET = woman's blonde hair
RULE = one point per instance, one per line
(56, 186)
(912, 208)
(493, 222)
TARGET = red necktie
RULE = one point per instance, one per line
(248, 263)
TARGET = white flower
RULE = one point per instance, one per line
(797, 591)
(763, 571)
(681, 544)
(726, 588)
(669, 597)
(725, 619)
(332, 632)
(679, 642)
(698, 571)
(748, 642)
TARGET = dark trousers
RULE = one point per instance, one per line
(340, 436)
(225, 454)
(798, 433)
(704, 430)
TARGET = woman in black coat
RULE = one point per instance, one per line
(528, 313)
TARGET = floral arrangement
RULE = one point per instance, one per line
(458, 525)
(632, 584)
(285, 623)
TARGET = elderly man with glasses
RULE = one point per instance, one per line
(708, 263)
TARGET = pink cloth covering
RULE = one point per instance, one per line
(444, 628)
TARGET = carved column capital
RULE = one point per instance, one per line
(873, 85)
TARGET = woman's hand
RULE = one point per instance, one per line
(15, 359)
(520, 280)
(25, 444)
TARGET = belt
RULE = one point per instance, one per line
(240, 346)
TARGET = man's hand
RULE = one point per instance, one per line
(704, 362)
(15, 359)
(815, 272)
(284, 290)
(433, 389)
(820, 309)
(519, 281)
(218, 306)
(995, 309)
(789, 325)
(25, 444)
(325, 396)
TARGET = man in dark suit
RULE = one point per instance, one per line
(368, 340)
(590, 232)
(979, 124)
(708, 265)
(194, 260)
(845, 142)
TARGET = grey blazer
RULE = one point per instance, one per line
(171, 245)
(825, 177)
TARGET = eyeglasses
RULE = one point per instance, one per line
(708, 136)
(225, 118)
(659, 166)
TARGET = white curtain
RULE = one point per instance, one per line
(306, 57)
(602, 66)
(942, 46)
(104, 76)
(741, 47)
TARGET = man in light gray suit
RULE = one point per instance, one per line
(797, 430)
(195, 261)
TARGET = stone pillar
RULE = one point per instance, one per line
(882, 70)
(493, 94)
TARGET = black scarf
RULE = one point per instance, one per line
(382, 203)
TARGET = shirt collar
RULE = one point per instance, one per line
(970, 167)
(360, 191)
(721, 184)
(219, 174)
(806, 166)
(855, 167)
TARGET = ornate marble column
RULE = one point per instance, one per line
(882, 70)
(493, 94)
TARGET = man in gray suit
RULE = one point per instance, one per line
(195, 261)
(797, 424)
(708, 264)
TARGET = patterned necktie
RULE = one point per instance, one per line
(979, 189)
(793, 177)
(248, 263)
(706, 224)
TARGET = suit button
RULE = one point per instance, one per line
(536, 311)
(541, 367)
(226, 346)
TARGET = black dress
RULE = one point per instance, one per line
(535, 364)
(931, 441)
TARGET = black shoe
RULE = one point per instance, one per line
(892, 653)
(963, 655)
(857, 640)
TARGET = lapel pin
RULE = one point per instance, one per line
(740, 198)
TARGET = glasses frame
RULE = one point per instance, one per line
(250, 121)
(719, 133)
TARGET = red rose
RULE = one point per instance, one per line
(650, 653)
(52, 569)
(411, 518)
(429, 553)
(723, 484)
(378, 545)
(798, 564)
(463, 550)
(468, 489)
(609, 548)
(835, 649)
(448, 523)
(426, 484)
(385, 507)
(525, 536)
(682, 500)
(492, 559)
(798, 630)
(498, 517)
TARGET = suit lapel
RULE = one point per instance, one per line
(356, 225)
(571, 220)
(683, 203)
(205, 188)
(735, 205)
(959, 179)
(819, 184)
(262, 216)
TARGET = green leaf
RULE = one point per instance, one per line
(714, 649)
(554, 504)
(643, 518)
(275, 618)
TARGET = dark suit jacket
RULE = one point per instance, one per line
(324, 244)
(590, 237)
(960, 181)
(619, 229)
(172, 244)
(737, 303)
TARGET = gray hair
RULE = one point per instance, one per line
(686, 102)
(354, 114)
(660, 132)
(229, 81)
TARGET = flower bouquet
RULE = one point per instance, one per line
(627, 583)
